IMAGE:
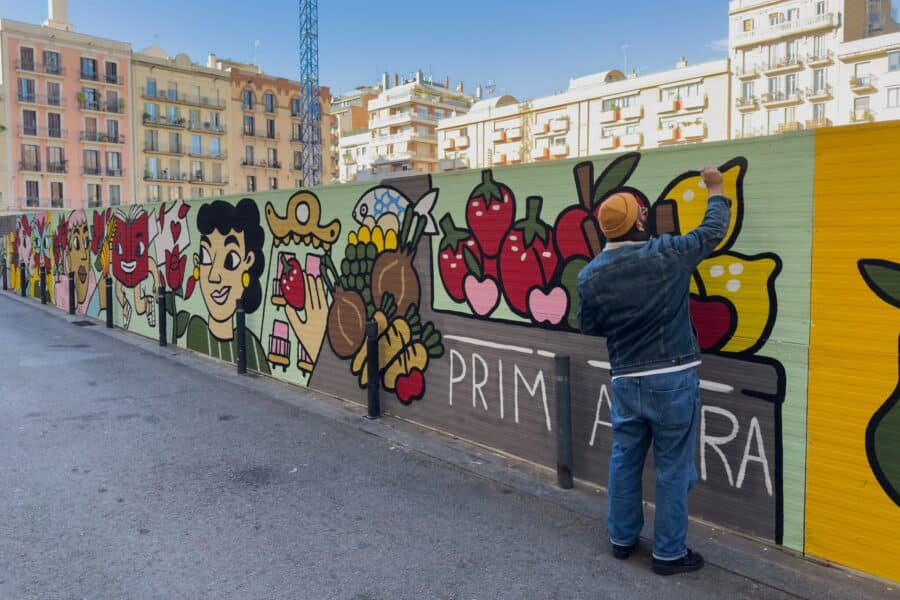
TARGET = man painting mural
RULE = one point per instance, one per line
(635, 293)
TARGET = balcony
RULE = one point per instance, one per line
(610, 142)
(449, 144)
(111, 79)
(631, 112)
(97, 105)
(164, 175)
(789, 127)
(92, 170)
(89, 76)
(747, 103)
(58, 167)
(862, 116)
(221, 155)
(632, 140)
(863, 84)
(30, 165)
(749, 133)
(207, 127)
(775, 99)
(559, 125)
(513, 156)
(514, 133)
(746, 73)
(114, 172)
(43, 132)
(783, 65)
(498, 137)
(667, 135)
(559, 150)
(818, 123)
(462, 142)
(820, 58)
(540, 153)
(42, 100)
(100, 137)
(609, 116)
(259, 133)
(190, 99)
(816, 94)
(200, 178)
(25, 65)
(498, 159)
(262, 164)
(668, 106)
(694, 131)
(160, 121)
(30, 202)
(53, 70)
(694, 102)
(788, 28)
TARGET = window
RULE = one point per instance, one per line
(112, 130)
(297, 162)
(153, 168)
(54, 125)
(26, 90)
(196, 192)
(26, 59)
(91, 101)
(113, 164)
(32, 194)
(774, 85)
(173, 114)
(790, 51)
(818, 47)
(247, 99)
(776, 19)
(747, 25)
(31, 157)
(747, 89)
(269, 101)
(151, 140)
(790, 85)
(55, 161)
(295, 106)
(153, 193)
(215, 121)
(251, 183)
(270, 129)
(196, 170)
(861, 106)
(894, 61)
(821, 7)
(53, 94)
(115, 194)
(56, 194)
(273, 183)
(112, 101)
(793, 14)
(152, 111)
(273, 157)
(196, 145)
(150, 87)
(176, 192)
(91, 162)
(194, 118)
(746, 124)
(248, 155)
(248, 125)
(29, 122)
(215, 146)
(94, 195)
(893, 97)
(175, 142)
(112, 72)
(172, 91)
(819, 111)
(295, 132)
(88, 68)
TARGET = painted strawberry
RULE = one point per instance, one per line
(714, 319)
(293, 286)
(451, 260)
(490, 212)
(528, 258)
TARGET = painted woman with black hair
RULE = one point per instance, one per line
(228, 267)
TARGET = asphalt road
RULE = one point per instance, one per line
(130, 475)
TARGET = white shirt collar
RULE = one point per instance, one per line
(617, 245)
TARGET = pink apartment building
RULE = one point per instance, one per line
(67, 109)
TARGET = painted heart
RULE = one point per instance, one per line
(482, 295)
(411, 386)
(548, 307)
(175, 226)
(714, 320)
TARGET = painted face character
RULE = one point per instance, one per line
(129, 250)
(223, 260)
(41, 242)
(78, 257)
(24, 244)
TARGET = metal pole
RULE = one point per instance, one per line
(4, 275)
(161, 303)
(563, 423)
(374, 383)
(109, 302)
(71, 292)
(240, 318)
(43, 273)
(22, 278)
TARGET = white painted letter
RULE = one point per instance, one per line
(532, 390)
(715, 441)
(477, 385)
(604, 394)
(754, 432)
(500, 387)
(462, 376)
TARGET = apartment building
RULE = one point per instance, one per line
(354, 155)
(180, 140)
(68, 115)
(604, 112)
(350, 118)
(801, 64)
(402, 126)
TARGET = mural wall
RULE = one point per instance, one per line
(470, 278)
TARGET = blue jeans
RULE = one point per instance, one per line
(665, 410)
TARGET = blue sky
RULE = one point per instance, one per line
(526, 47)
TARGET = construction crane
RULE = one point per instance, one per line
(310, 109)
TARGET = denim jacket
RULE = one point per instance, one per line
(636, 295)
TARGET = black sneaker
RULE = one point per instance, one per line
(692, 561)
(623, 552)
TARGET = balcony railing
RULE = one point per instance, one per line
(30, 202)
(265, 164)
(58, 167)
(609, 142)
(789, 127)
(822, 57)
(170, 149)
(90, 76)
(818, 93)
(48, 132)
(103, 138)
(53, 69)
(746, 72)
(41, 99)
(774, 98)
(114, 172)
(609, 116)
(58, 203)
(210, 155)
(164, 175)
(781, 30)
(863, 83)
(208, 127)
(30, 165)
(668, 134)
(89, 170)
(161, 121)
(861, 116)
(818, 123)
(31, 66)
(259, 134)
(632, 139)
(789, 63)
(25, 65)
(112, 79)
(192, 99)
(746, 102)
(694, 131)
(101, 106)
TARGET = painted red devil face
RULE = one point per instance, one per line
(129, 251)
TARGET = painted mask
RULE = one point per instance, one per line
(129, 249)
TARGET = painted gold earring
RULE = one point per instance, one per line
(245, 279)
(197, 273)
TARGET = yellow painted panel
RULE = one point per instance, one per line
(850, 516)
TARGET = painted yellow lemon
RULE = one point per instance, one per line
(745, 282)
(691, 196)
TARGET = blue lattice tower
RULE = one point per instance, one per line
(310, 109)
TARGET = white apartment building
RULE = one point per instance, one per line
(605, 112)
(802, 64)
(355, 156)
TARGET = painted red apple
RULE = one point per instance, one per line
(714, 319)
(411, 386)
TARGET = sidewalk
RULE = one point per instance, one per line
(770, 571)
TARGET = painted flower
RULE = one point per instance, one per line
(175, 267)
